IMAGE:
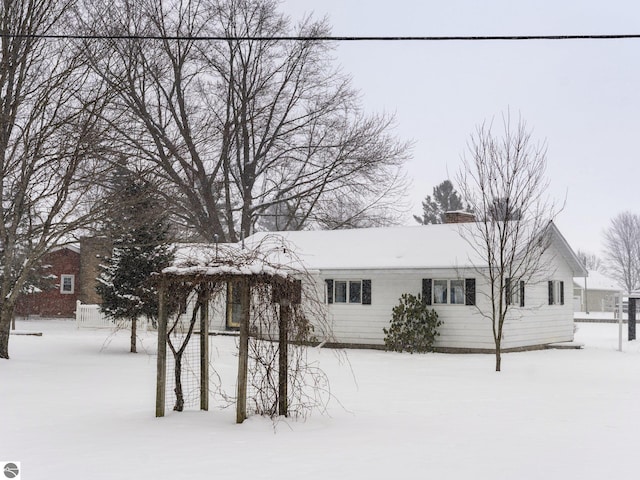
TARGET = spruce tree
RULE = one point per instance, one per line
(140, 248)
(445, 199)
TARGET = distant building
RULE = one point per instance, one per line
(58, 299)
(597, 294)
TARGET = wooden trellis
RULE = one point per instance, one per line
(285, 291)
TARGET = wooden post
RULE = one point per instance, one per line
(243, 351)
(283, 334)
(162, 350)
(631, 318)
(204, 348)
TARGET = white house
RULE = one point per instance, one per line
(595, 293)
(362, 273)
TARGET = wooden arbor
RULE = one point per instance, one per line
(204, 279)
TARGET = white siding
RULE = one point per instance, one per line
(217, 313)
(462, 326)
(363, 324)
(538, 322)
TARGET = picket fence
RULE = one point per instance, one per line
(90, 316)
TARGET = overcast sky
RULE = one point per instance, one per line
(580, 96)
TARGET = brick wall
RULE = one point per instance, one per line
(93, 250)
(51, 301)
(458, 217)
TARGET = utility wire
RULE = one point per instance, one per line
(443, 38)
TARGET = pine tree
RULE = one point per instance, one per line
(445, 199)
(140, 248)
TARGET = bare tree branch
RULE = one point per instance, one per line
(622, 250)
(239, 129)
(503, 180)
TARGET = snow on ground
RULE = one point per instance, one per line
(75, 404)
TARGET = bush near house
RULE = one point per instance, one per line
(413, 326)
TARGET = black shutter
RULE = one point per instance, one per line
(426, 291)
(297, 292)
(522, 294)
(329, 291)
(507, 290)
(366, 292)
(550, 292)
(469, 291)
(561, 293)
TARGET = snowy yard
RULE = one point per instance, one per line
(75, 407)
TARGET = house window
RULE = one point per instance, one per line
(234, 305)
(355, 292)
(349, 291)
(457, 292)
(514, 292)
(449, 292)
(440, 291)
(460, 291)
(67, 284)
(556, 292)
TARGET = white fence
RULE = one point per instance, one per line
(90, 316)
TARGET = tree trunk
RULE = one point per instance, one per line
(179, 406)
(6, 314)
(498, 358)
(133, 335)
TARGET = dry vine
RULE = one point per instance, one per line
(278, 283)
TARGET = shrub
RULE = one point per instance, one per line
(413, 326)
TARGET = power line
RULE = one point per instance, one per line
(436, 38)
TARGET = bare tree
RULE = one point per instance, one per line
(622, 250)
(590, 260)
(242, 128)
(49, 126)
(503, 180)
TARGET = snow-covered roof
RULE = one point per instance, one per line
(420, 246)
(72, 247)
(283, 253)
(377, 248)
(598, 281)
(226, 259)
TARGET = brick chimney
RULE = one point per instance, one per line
(459, 216)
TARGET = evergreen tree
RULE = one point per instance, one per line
(502, 209)
(445, 199)
(140, 248)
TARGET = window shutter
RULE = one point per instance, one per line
(507, 290)
(329, 290)
(561, 293)
(426, 291)
(550, 292)
(521, 293)
(469, 291)
(366, 292)
(297, 292)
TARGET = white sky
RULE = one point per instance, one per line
(580, 96)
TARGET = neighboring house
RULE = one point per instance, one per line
(58, 295)
(595, 293)
(362, 273)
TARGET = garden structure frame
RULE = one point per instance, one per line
(204, 279)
